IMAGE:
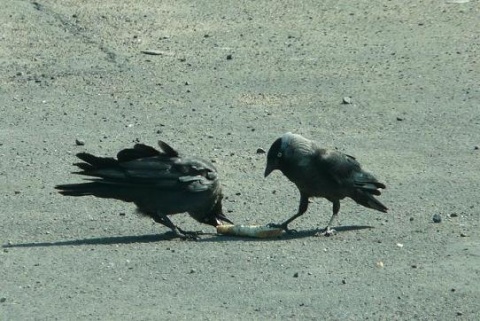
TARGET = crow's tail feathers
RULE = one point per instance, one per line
(98, 189)
(92, 162)
(81, 189)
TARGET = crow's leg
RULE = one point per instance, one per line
(164, 220)
(302, 208)
(336, 208)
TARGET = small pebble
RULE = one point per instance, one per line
(152, 52)
(295, 275)
(476, 147)
(411, 219)
(414, 266)
(192, 271)
(344, 282)
(453, 215)
(400, 118)
(347, 100)
(261, 151)
(3, 300)
(463, 235)
(79, 142)
(229, 57)
(437, 218)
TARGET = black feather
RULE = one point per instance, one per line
(138, 151)
(169, 151)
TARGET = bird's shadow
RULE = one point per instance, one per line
(150, 238)
(128, 239)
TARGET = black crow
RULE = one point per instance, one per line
(158, 182)
(323, 173)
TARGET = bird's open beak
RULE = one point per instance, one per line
(221, 219)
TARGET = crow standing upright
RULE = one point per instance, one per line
(158, 182)
(323, 173)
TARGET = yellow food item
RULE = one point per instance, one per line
(258, 231)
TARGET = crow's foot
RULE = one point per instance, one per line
(187, 235)
(327, 232)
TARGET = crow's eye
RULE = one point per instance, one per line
(279, 155)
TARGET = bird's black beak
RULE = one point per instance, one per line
(214, 220)
(268, 170)
(217, 217)
(221, 219)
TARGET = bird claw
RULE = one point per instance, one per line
(283, 227)
(327, 232)
(188, 235)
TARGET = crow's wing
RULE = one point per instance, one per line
(336, 166)
(346, 171)
(158, 172)
(141, 168)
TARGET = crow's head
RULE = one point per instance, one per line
(288, 152)
(274, 156)
(276, 153)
